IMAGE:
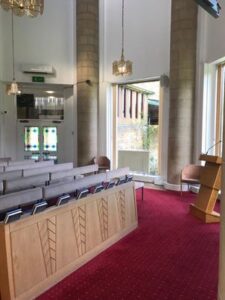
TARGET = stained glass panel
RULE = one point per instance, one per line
(31, 138)
(50, 138)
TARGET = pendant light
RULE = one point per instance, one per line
(12, 89)
(122, 67)
(31, 8)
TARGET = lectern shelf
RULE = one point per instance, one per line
(210, 180)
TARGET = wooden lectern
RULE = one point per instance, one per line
(210, 180)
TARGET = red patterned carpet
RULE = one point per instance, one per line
(171, 256)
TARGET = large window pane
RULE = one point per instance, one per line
(138, 126)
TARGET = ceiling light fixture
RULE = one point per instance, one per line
(50, 92)
(122, 66)
(13, 89)
(31, 8)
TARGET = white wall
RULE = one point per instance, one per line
(46, 39)
(147, 37)
(215, 45)
(147, 45)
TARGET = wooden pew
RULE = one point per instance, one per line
(3, 164)
(72, 173)
(35, 252)
(11, 175)
(5, 159)
(1, 190)
(47, 169)
(21, 162)
(122, 172)
(26, 166)
(20, 198)
(54, 190)
(19, 184)
(117, 173)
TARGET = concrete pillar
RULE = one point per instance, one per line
(182, 86)
(87, 15)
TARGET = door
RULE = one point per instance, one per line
(136, 127)
(39, 140)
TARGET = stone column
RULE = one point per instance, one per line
(87, 15)
(182, 86)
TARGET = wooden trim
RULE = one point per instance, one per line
(124, 102)
(39, 242)
(210, 180)
(136, 107)
(218, 110)
(142, 106)
(6, 274)
(131, 104)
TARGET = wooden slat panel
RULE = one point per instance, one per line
(27, 259)
(48, 246)
(211, 176)
(66, 250)
(206, 199)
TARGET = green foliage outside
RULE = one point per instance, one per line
(150, 142)
(150, 133)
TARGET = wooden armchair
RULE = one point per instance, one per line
(190, 175)
(103, 163)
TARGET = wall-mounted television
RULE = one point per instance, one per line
(211, 6)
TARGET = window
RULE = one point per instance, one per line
(49, 138)
(219, 109)
(31, 138)
(31, 107)
(137, 137)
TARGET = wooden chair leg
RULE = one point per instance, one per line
(181, 191)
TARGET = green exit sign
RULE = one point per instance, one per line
(38, 79)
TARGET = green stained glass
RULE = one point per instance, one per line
(50, 138)
(31, 138)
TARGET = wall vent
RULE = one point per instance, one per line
(37, 69)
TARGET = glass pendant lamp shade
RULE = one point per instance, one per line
(30, 8)
(122, 67)
(13, 89)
